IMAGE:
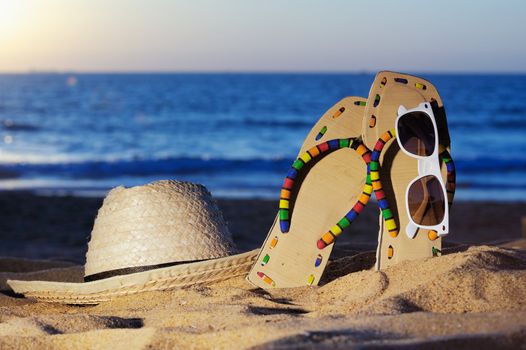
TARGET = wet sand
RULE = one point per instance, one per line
(57, 228)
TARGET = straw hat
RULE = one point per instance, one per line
(164, 235)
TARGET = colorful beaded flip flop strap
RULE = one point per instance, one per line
(373, 171)
(285, 209)
(451, 183)
(373, 175)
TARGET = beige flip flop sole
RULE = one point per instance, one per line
(388, 92)
(328, 191)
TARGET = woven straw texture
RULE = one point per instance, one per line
(162, 222)
(154, 280)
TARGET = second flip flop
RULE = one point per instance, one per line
(390, 94)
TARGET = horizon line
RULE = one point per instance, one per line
(292, 72)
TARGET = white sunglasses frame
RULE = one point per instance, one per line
(427, 165)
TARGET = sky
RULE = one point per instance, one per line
(262, 35)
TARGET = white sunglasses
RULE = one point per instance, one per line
(426, 196)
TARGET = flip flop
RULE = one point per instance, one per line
(389, 91)
(323, 184)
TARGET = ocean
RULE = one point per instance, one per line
(237, 134)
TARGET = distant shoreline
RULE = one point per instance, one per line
(52, 227)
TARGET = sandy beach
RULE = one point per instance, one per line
(474, 296)
(367, 160)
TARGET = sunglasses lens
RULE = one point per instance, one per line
(416, 133)
(426, 201)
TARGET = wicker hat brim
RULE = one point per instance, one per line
(166, 278)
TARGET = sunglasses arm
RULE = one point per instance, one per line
(411, 229)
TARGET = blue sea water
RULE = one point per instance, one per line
(235, 133)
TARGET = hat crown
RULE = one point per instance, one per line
(159, 223)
